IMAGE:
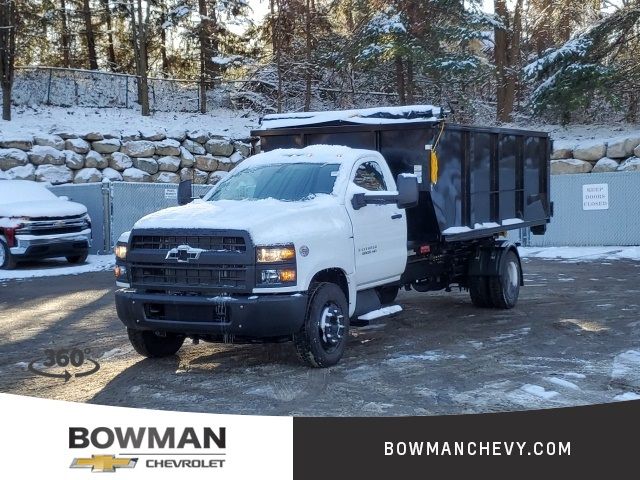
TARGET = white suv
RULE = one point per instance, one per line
(35, 223)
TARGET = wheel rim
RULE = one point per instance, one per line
(2, 255)
(513, 277)
(331, 327)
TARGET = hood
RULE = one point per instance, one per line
(39, 208)
(267, 221)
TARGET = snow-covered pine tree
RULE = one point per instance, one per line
(600, 61)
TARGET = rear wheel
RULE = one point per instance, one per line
(148, 344)
(7, 260)
(77, 258)
(479, 291)
(505, 288)
(323, 338)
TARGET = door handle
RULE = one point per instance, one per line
(396, 216)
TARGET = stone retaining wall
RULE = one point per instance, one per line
(140, 156)
(615, 155)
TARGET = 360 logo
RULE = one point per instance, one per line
(73, 361)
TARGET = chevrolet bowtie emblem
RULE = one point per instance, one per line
(104, 463)
(184, 253)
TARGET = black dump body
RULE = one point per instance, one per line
(490, 179)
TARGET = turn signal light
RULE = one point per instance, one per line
(288, 275)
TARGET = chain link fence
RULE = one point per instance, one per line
(115, 207)
(66, 87)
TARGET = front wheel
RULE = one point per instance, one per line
(505, 288)
(7, 260)
(325, 333)
(148, 344)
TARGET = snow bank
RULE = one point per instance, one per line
(582, 253)
(219, 121)
(58, 267)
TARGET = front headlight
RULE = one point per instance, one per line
(121, 252)
(283, 253)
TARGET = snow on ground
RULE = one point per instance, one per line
(29, 121)
(572, 134)
(581, 253)
(57, 267)
(538, 391)
(382, 312)
(623, 397)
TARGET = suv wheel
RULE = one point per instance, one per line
(325, 333)
(77, 258)
(148, 344)
(7, 260)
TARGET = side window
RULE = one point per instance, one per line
(369, 175)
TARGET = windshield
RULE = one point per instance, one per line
(285, 181)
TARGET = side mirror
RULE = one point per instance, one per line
(64, 198)
(184, 192)
(408, 191)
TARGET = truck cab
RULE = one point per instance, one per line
(283, 248)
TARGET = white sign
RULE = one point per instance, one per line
(171, 193)
(595, 196)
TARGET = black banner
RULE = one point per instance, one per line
(586, 442)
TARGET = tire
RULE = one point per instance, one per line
(323, 347)
(77, 258)
(505, 288)
(479, 292)
(150, 345)
(388, 294)
(7, 260)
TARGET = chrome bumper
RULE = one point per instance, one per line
(25, 242)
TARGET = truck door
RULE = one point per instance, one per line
(379, 231)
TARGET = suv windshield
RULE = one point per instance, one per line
(285, 181)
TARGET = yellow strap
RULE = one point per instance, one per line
(434, 167)
(434, 158)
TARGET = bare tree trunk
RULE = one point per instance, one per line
(91, 40)
(402, 99)
(410, 83)
(277, 37)
(541, 36)
(202, 34)
(8, 22)
(503, 113)
(163, 41)
(65, 37)
(139, 37)
(111, 51)
(144, 80)
(307, 71)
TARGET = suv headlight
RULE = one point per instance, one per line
(275, 254)
(121, 251)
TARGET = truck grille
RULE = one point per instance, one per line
(218, 261)
(214, 276)
(53, 226)
(167, 242)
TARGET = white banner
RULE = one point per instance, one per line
(42, 438)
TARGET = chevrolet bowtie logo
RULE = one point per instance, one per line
(184, 253)
(104, 463)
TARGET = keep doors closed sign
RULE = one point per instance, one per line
(595, 196)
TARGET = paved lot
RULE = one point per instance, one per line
(573, 339)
